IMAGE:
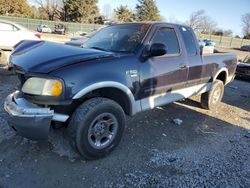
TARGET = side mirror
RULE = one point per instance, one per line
(157, 49)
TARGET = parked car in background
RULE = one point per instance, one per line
(60, 29)
(243, 69)
(205, 47)
(201, 43)
(12, 33)
(79, 41)
(209, 42)
(245, 48)
(43, 29)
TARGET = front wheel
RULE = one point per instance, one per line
(212, 98)
(96, 127)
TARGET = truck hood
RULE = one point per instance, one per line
(44, 57)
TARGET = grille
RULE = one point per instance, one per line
(21, 74)
(21, 78)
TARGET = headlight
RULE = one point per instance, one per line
(42, 86)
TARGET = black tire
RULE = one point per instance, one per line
(83, 127)
(212, 98)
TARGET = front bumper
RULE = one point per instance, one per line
(30, 120)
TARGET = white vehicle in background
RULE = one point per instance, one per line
(209, 42)
(12, 33)
(78, 41)
(43, 29)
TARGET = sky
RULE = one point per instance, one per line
(227, 13)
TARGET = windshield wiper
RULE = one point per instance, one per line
(109, 50)
(97, 48)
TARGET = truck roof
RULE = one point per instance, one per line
(150, 23)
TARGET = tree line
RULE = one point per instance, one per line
(82, 11)
(87, 11)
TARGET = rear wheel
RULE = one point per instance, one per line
(212, 98)
(96, 127)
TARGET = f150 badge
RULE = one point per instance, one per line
(132, 73)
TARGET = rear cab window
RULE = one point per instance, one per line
(168, 37)
(189, 40)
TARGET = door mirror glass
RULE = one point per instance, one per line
(157, 49)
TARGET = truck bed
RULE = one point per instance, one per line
(218, 60)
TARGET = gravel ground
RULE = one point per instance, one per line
(56, 37)
(209, 149)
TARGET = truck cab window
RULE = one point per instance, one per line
(167, 37)
(189, 40)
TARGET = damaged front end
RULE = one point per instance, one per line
(28, 119)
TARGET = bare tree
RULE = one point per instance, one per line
(246, 24)
(201, 23)
(51, 7)
(195, 19)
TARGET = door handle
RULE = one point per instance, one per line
(183, 66)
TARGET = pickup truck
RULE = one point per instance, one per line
(123, 69)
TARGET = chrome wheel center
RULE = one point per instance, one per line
(99, 128)
(102, 130)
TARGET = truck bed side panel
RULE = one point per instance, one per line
(214, 63)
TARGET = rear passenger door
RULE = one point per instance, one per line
(163, 74)
(193, 56)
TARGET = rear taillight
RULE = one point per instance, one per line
(38, 35)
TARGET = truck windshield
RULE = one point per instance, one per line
(118, 38)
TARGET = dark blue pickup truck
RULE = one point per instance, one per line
(121, 70)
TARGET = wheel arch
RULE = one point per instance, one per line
(222, 75)
(112, 90)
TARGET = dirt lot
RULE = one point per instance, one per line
(56, 37)
(209, 149)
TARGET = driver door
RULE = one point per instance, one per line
(161, 77)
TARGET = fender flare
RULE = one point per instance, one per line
(224, 69)
(135, 106)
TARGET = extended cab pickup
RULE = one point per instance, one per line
(121, 70)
